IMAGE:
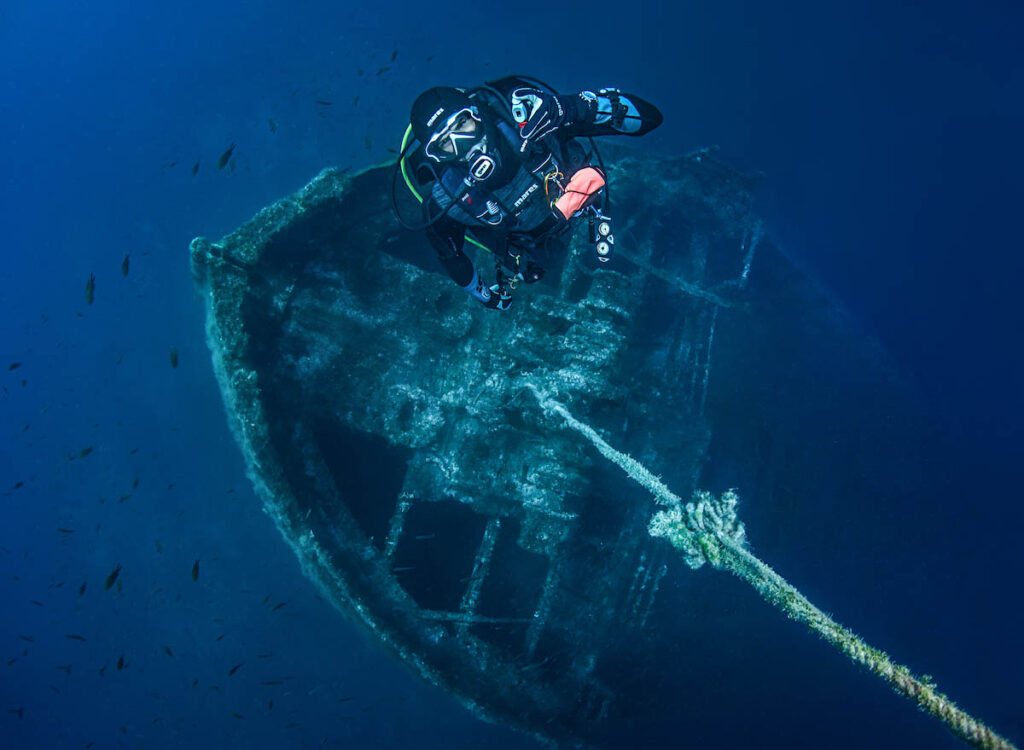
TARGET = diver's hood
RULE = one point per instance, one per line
(435, 106)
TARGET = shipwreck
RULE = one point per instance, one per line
(402, 454)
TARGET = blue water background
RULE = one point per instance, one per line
(890, 137)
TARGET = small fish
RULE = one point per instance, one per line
(13, 366)
(158, 545)
(65, 531)
(19, 711)
(124, 497)
(425, 536)
(65, 668)
(272, 124)
(270, 704)
(263, 656)
(429, 58)
(11, 661)
(112, 577)
(323, 102)
(133, 451)
(225, 157)
(355, 101)
(220, 637)
(195, 169)
(231, 165)
(292, 725)
(394, 55)
(360, 71)
(172, 165)
(174, 357)
(55, 689)
(195, 571)
(167, 650)
(271, 682)
(278, 606)
(345, 699)
(74, 637)
(385, 69)
(236, 715)
(18, 485)
(403, 568)
(125, 264)
(85, 451)
(234, 669)
(135, 483)
(368, 142)
(103, 669)
(121, 663)
(26, 638)
(36, 602)
(90, 289)
(81, 589)
(195, 682)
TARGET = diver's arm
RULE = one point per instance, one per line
(611, 112)
(607, 112)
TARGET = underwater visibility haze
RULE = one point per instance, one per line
(273, 480)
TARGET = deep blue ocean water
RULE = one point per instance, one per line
(890, 139)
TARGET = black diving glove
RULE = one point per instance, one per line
(539, 113)
(532, 274)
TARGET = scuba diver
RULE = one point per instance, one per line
(504, 160)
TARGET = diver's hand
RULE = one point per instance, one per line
(539, 113)
(532, 274)
(500, 299)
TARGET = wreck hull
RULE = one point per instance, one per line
(388, 429)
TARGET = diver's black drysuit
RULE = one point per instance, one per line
(511, 209)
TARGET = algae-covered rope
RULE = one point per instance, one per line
(707, 530)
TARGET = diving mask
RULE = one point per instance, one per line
(456, 139)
